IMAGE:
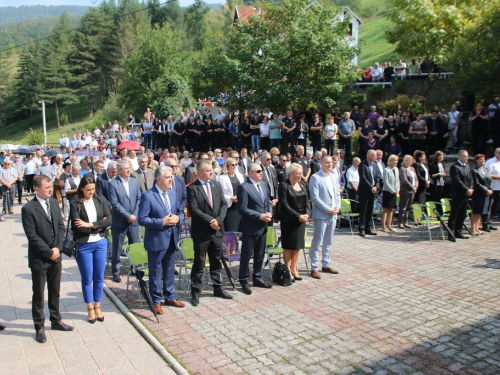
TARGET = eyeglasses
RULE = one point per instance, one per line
(268, 159)
(234, 165)
(259, 171)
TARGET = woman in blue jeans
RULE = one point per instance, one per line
(90, 217)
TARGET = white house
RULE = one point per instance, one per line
(243, 12)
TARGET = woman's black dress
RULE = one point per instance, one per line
(233, 217)
(293, 232)
(482, 183)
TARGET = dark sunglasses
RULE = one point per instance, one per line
(259, 171)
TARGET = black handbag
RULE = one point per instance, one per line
(70, 247)
(281, 274)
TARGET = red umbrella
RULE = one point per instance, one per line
(129, 145)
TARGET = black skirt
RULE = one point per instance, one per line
(388, 200)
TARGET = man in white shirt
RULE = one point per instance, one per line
(352, 176)
(377, 73)
(493, 166)
(63, 141)
(220, 115)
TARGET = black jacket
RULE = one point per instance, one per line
(81, 235)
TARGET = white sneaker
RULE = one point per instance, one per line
(490, 141)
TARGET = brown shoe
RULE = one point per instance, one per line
(158, 309)
(315, 274)
(174, 303)
(329, 270)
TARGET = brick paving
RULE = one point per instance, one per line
(398, 306)
(111, 347)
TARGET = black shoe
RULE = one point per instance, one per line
(486, 230)
(492, 228)
(221, 293)
(369, 232)
(246, 289)
(261, 284)
(452, 239)
(40, 336)
(60, 326)
(362, 233)
(2, 327)
(195, 300)
(117, 279)
(461, 236)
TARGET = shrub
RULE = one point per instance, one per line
(357, 99)
(415, 103)
(34, 137)
(63, 118)
(401, 87)
(113, 111)
(376, 91)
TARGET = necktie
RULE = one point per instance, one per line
(49, 213)
(209, 195)
(167, 203)
(261, 193)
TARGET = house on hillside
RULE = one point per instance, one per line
(243, 12)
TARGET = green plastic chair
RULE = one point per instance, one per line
(446, 205)
(272, 247)
(138, 260)
(307, 245)
(185, 259)
(421, 220)
(346, 211)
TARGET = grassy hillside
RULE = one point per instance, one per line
(16, 132)
(374, 46)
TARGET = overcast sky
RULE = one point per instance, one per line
(16, 3)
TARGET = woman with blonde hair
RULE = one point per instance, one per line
(390, 192)
(230, 179)
(408, 183)
(294, 211)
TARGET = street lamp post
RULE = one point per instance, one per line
(44, 123)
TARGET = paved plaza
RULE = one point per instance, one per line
(398, 306)
(111, 347)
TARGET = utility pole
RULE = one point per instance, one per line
(44, 124)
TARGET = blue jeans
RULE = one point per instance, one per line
(147, 141)
(255, 143)
(275, 142)
(91, 261)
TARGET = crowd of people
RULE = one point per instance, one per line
(388, 73)
(265, 178)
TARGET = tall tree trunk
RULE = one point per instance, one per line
(57, 114)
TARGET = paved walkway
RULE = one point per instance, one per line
(111, 347)
(398, 306)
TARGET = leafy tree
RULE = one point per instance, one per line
(476, 57)
(290, 55)
(430, 28)
(173, 96)
(55, 70)
(149, 63)
(196, 24)
(157, 13)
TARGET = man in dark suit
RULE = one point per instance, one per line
(269, 176)
(124, 196)
(177, 183)
(367, 189)
(315, 165)
(208, 209)
(245, 160)
(256, 210)
(44, 228)
(144, 175)
(281, 170)
(159, 213)
(101, 183)
(461, 190)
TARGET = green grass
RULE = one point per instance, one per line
(374, 47)
(16, 132)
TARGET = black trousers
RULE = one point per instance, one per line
(19, 191)
(211, 246)
(52, 277)
(365, 211)
(353, 195)
(252, 244)
(29, 183)
(494, 203)
(458, 213)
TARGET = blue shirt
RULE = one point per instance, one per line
(347, 127)
(147, 126)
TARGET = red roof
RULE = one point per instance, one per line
(243, 12)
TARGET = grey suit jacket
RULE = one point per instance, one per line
(124, 205)
(405, 179)
(391, 180)
(322, 197)
(147, 184)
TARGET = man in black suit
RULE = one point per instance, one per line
(44, 228)
(101, 183)
(208, 209)
(269, 176)
(315, 164)
(367, 190)
(256, 210)
(461, 190)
